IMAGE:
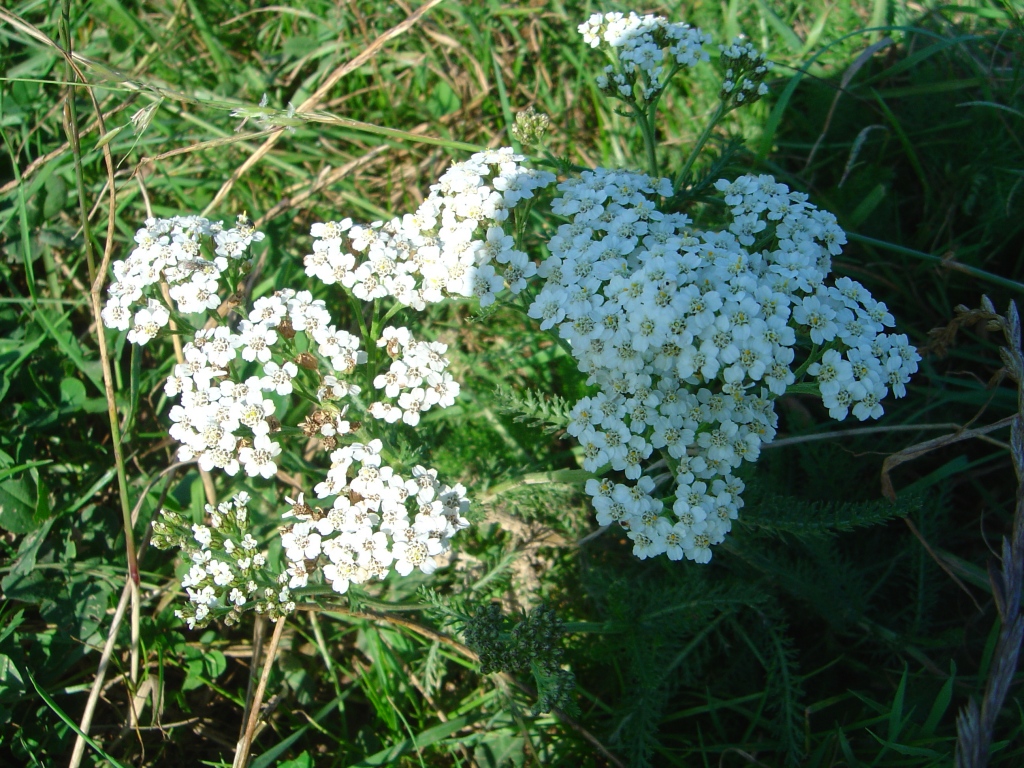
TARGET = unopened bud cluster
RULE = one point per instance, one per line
(531, 645)
(530, 127)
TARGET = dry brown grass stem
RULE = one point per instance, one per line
(115, 625)
(920, 449)
(318, 96)
(97, 276)
(245, 744)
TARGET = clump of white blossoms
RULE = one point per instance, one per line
(238, 374)
(171, 251)
(378, 521)
(416, 378)
(229, 572)
(459, 242)
(226, 417)
(745, 70)
(640, 47)
(689, 335)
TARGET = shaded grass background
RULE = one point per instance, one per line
(794, 645)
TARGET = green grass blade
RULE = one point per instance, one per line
(69, 722)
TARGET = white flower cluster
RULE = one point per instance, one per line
(416, 378)
(454, 245)
(690, 335)
(368, 530)
(639, 42)
(228, 574)
(171, 250)
(745, 69)
(226, 423)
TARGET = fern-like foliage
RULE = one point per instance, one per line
(800, 517)
(784, 687)
(660, 633)
(547, 413)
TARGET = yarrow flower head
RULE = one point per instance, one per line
(689, 336)
(230, 383)
(172, 251)
(378, 521)
(226, 419)
(229, 574)
(457, 243)
(646, 51)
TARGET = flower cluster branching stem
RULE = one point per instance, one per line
(698, 147)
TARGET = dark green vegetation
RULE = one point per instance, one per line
(836, 628)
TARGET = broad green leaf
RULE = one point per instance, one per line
(72, 392)
(302, 761)
(10, 675)
(56, 196)
(60, 332)
(17, 505)
(24, 582)
(215, 663)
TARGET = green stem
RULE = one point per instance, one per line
(939, 261)
(372, 351)
(813, 356)
(803, 388)
(701, 141)
(647, 130)
(558, 477)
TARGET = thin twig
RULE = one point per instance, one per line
(841, 434)
(258, 637)
(920, 449)
(242, 753)
(97, 686)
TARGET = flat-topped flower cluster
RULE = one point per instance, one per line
(170, 251)
(639, 44)
(379, 520)
(226, 417)
(455, 244)
(689, 335)
(416, 378)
